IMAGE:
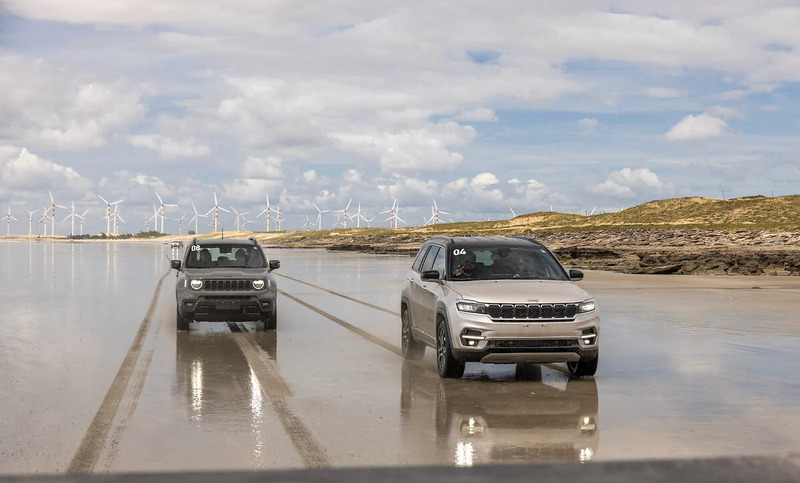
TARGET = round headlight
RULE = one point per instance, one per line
(196, 284)
(258, 284)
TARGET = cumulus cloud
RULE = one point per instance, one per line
(21, 170)
(630, 183)
(697, 128)
(589, 126)
(479, 114)
(411, 150)
(169, 148)
(262, 168)
(50, 107)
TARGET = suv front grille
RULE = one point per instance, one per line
(533, 344)
(227, 285)
(532, 311)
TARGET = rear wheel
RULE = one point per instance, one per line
(412, 349)
(181, 323)
(583, 368)
(446, 364)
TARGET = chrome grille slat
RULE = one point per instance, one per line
(520, 312)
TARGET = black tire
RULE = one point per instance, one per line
(412, 348)
(272, 322)
(446, 365)
(583, 368)
(181, 323)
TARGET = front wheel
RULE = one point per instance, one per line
(181, 323)
(583, 368)
(412, 349)
(272, 322)
(446, 364)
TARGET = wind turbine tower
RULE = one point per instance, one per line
(53, 207)
(163, 205)
(108, 213)
(216, 210)
(268, 211)
(8, 221)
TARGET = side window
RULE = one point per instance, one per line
(438, 263)
(419, 258)
(430, 258)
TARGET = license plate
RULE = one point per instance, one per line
(228, 305)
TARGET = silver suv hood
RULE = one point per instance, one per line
(520, 291)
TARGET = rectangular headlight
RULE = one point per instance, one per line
(586, 306)
(470, 306)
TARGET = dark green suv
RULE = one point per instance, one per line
(221, 280)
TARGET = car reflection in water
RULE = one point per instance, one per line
(523, 417)
(219, 386)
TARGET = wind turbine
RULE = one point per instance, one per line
(72, 215)
(437, 212)
(307, 225)
(161, 209)
(8, 221)
(397, 219)
(268, 211)
(216, 210)
(180, 224)
(513, 215)
(53, 207)
(195, 218)
(370, 221)
(344, 211)
(118, 218)
(83, 219)
(43, 221)
(108, 212)
(30, 222)
(238, 215)
(391, 213)
(319, 216)
(278, 218)
(358, 216)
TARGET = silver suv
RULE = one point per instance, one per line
(226, 280)
(497, 300)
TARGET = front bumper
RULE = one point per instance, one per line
(221, 308)
(476, 338)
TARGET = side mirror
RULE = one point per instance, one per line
(575, 274)
(430, 275)
(274, 264)
(176, 264)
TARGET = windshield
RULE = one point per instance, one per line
(500, 263)
(237, 256)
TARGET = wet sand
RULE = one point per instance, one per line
(96, 378)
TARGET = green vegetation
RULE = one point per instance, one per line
(753, 213)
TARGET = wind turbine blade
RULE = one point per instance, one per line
(159, 198)
(106, 202)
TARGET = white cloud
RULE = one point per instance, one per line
(697, 128)
(478, 114)
(169, 148)
(262, 168)
(412, 150)
(663, 92)
(588, 125)
(723, 112)
(49, 107)
(630, 183)
(21, 171)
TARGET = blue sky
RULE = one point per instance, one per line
(528, 105)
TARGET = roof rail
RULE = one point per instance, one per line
(253, 239)
(194, 241)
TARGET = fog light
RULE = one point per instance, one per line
(470, 337)
(589, 336)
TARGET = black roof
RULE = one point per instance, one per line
(225, 241)
(482, 241)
